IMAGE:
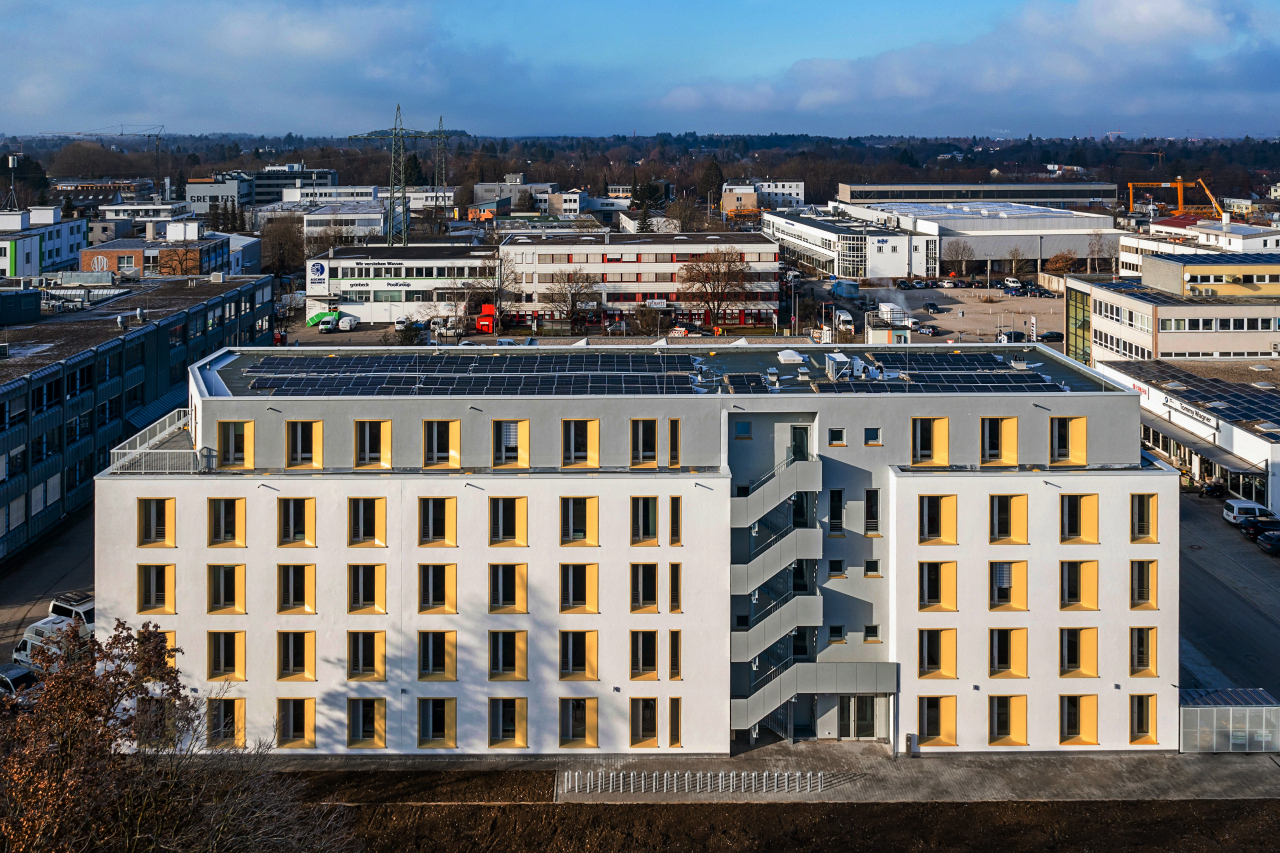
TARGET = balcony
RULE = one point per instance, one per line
(165, 447)
(810, 677)
(791, 475)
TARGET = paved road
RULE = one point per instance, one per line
(1230, 598)
(34, 577)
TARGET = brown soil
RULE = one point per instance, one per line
(1092, 826)
(428, 786)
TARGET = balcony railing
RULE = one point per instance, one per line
(1141, 529)
(1141, 661)
(1141, 595)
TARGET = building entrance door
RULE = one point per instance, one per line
(800, 443)
(842, 725)
(866, 720)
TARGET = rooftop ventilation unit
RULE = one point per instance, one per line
(837, 365)
(1175, 386)
(1267, 426)
(1265, 386)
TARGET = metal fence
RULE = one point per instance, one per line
(136, 455)
(690, 782)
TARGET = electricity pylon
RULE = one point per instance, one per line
(398, 204)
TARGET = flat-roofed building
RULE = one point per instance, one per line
(641, 551)
(38, 240)
(1045, 194)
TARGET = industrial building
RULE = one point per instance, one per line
(1195, 236)
(842, 247)
(347, 222)
(651, 551)
(75, 383)
(38, 240)
(1043, 194)
(222, 190)
(511, 186)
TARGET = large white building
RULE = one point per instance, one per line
(39, 240)
(640, 550)
(848, 248)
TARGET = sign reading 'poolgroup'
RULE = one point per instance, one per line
(317, 278)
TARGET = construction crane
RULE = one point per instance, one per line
(151, 131)
(1183, 209)
(398, 226)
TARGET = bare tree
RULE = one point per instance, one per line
(1061, 263)
(568, 290)
(283, 247)
(716, 280)
(648, 321)
(117, 755)
(1015, 257)
(184, 260)
(1097, 249)
(958, 252)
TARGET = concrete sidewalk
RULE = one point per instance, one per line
(959, 778)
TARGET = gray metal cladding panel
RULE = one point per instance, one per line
(886, 677)
(808, 610)
(46, 420)
(46, 372)
(135, 375)
(14, 487)
(808, 676)
(865, 678)
(112, 387)
(13, 437)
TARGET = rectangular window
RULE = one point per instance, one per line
(155, 589)
(297, 653)
(226, 723)
(437, 656)
(835, 568)
(675, 587)
(511, 444)
(644, 521)
(999, 441)
(226, 656)
(1078, 584)
(226, 589)
(673, 659)
(644, 655)
(1007, 717)
(368, 522)
(1142, 584)
(871, 512)
(644, 587)
(835, 634)
(1142, 652)
(1008, 519)
(870, 633)
(1142, 719)
(507, 655)
(937, 721)
(438, 588)
(938, 586)
(366, 656)
(226, 522)
(305, 444)
(1078, 720)
(373, 444)
(578, 656)
(673, 443)
(297, 589)
(578, 583)
(508, 591)
(1078, 650)
(1008, 652)
(366, 723)
(1067, 441)
(1142, 519)
(673, 721)
(836, 504)
(438, 521)
(578, 521)
(929, 441)
(235, 444)
(1079, 519)
(937, 653)
(507, 521)
(644, 723)
(156, 522)
(870, 436)
(835, 437)
(507, 721)
(440, 440)
(644, 443)
(437, 723)
(296, 723)
(580, 444)
(368, 589)
(297, 521)
(937, 522)
(676, 519)
(871, 569)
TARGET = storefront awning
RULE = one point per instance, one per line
(1202, 446)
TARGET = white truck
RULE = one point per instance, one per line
(63, 611)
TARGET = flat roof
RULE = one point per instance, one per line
(834, 224)
(55, 337)
(142, 243)
(1235, 229)
(1240, 403)
(410, 253)
(986, 186)
(1153, 296)
(648, 370)
(978, 210)
(1232, 259)
(734, 237)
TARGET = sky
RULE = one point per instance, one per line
(1004, 68)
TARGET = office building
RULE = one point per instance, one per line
(222, 190)
(511, 186)
(842, 247)
(188, 250)
(39, 240)
(1046, 194)
(130, 189)
(1194, 236)
(270, 182)
(770, 193)
(347, 222)
(646, 551)
(76, 384)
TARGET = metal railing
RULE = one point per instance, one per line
(1141, 595)
(1141, 529)
(691, 782)
(137, 456)
(1141, 661)
(788, 460)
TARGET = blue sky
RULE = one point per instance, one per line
(998, 67)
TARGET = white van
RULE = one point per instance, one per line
(346, 324)
(844, 320)
(327, 324)
(1012, 282)
(63, 611)
(1237, 510)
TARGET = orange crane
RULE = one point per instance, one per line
(1183, 209)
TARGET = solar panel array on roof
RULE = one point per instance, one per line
(616, 384)
(1233, 401)
(451, 364)
(745, 383)
(940, 361)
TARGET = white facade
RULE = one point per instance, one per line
(847, 248)
(381, 284)
(327, 195)
(1134, 247)
(148, 211)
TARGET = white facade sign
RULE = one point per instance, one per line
(317, 278)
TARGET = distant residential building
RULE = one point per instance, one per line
(751, 193)
(84, 202)
(738, 197)
(38, 240)
(246, 252)
(569, 202)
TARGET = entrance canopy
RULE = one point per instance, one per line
(1202, 446)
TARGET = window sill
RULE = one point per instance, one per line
(303, 544)
(437, 744)
(1077, 741)
(366, 676)
(839, 444)
(1144, 606)
(937, 675)
(365, 744)
(647, 743)
(441, 466)
(438, 543)
(373, 543)
(1076, 673)
(509, 543)
(378, 467)
(1006, 673)
(1145, 740)
(840, 577)
(875, 575)
(225, 611)
(290, 611)
(1006, 608)
(645, 543)
(437, 676)
(578, 744)
(506, 744)
(157, 611)
(507, 676)
(1143, 673)
(936, 542)
(644, 676)
(156, 545)
(508, 610)
(582, 610)
(1007, 542)
(366, 611)
(311, 466)
(872, 642)
(1084, 607)
(935, 608)
(1077, 541)
(1006, 741)
(297, 676)
(438, 611)
(577, 676)
(870, 444)
(579, 466)
(836, 642)
(648, 608)
(579, 543)
(936, 741)
(306, 743)
(1145, 540)
(226, 545)
(231, 677)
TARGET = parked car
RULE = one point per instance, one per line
(1050, 337)
(932, 308)
(18, 683)
(1012, 337)
(918, 284)
(1012, 282)
(1013, 291)
(327, 324)
(1252, 528)
(1269, 542)
(1236, 510)
(927, 329)
(402, 323)
(902, 284)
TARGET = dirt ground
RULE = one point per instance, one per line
(512, 811)
(1092, 826)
